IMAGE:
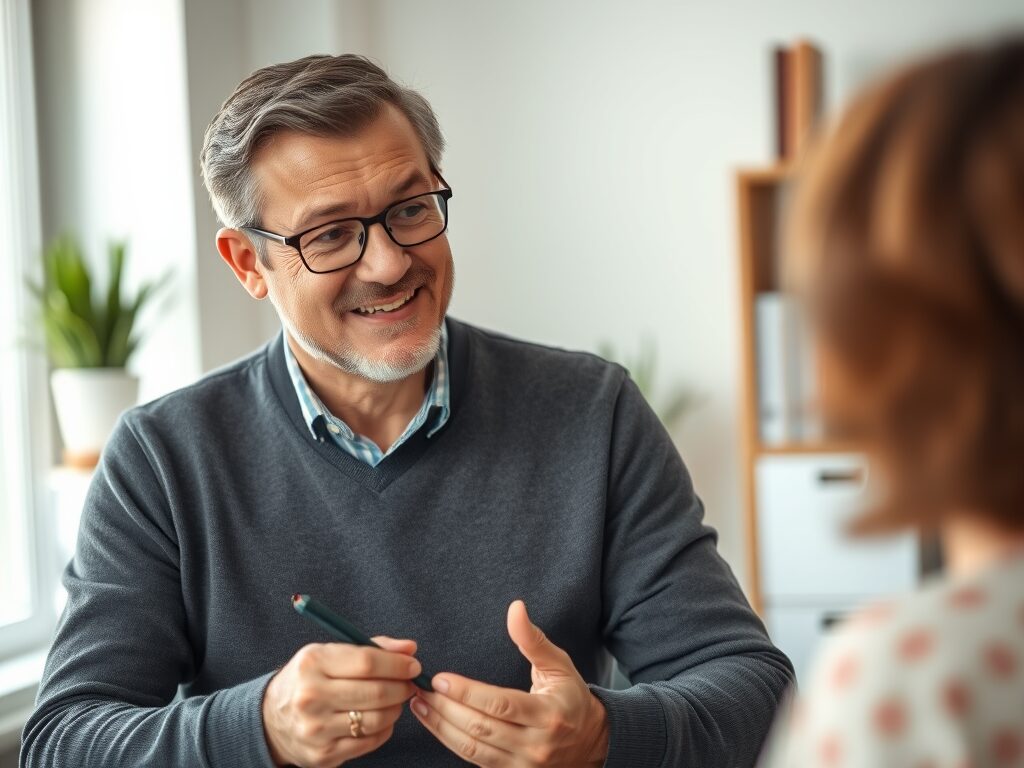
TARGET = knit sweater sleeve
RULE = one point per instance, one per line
(107, 696)
(706, 679)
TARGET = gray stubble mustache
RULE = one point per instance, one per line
(367, 293)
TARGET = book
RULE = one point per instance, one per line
(777, 329)
(798, 96)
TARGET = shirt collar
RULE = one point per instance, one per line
(436, 402)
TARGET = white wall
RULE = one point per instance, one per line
(115, 158)
(225, 41)
(592, 147)
(126, 90)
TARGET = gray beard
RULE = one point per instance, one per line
(380, 371)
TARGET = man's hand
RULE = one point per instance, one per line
(558, 723)
(306, 704)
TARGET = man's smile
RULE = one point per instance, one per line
(388, 307)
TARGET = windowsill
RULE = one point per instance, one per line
(19, 679)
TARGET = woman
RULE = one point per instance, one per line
(908, 243)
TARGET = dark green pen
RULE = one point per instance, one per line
(343, 629)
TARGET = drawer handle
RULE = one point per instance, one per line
(830, 619)
(841, 476)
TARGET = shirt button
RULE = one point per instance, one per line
(334, 428)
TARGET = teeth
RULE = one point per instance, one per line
(385, 307)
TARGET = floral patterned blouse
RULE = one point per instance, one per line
(933, 680)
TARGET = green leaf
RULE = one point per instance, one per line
(79, 331)
(71, 339)
(112, 316)
(60, 349)
(71, 277)
(642, 368)
(118, 349)
(683, 401)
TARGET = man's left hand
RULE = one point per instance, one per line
(558, 723)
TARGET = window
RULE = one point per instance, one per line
(26, 605)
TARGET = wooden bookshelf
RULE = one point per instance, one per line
(757, 193)
(760, 200)
(800, 486)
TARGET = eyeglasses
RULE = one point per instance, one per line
(340, 244)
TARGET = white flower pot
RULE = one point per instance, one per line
(88, 403)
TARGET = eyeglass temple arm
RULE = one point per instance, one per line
(437, 173)
(269, 235)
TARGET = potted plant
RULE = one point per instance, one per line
(670, 409)
(90, 337)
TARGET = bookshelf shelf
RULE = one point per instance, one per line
(807, 449)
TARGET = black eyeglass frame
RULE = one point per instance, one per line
(381, 218)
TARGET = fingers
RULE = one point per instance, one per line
(506, 704)
(338, 725)
(474, 723)
(373, 720)
(468, 747)
(346, 695)
(571, 729)
(305, 706)
(357, 662)
(408, 647)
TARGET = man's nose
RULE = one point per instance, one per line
(384, 261)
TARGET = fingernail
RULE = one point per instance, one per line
(441, 684)
(415, 668)
(420, 707)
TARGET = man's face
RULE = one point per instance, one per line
(307, 181)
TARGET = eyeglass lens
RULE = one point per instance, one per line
(340, 243)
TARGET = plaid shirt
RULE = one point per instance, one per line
(436, 408)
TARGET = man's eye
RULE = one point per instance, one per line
(410, 211)
(334, 236)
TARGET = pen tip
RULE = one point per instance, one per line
(296, 597)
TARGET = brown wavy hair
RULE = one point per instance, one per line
(907, 238)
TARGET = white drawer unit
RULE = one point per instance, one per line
(799, 629)
(803, 504)
(812, 572)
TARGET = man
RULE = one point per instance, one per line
(415, 473)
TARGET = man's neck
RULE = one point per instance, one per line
(379, 411)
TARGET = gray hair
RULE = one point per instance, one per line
(315, 95)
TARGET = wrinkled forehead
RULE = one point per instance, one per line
(297, 171)
(385, 129)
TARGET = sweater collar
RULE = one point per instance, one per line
(458, 365)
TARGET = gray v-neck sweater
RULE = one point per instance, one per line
(552, 481)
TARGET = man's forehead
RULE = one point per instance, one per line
(387, 133)
(299, 160)
(297, 173)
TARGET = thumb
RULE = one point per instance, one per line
(533, 643)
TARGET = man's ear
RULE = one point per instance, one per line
(238, 252)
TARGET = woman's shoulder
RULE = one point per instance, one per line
(931, 629)
(931, 675)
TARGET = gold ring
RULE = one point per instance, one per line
(355, 723)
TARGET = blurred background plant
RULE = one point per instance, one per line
(83, 330)
(673, 406)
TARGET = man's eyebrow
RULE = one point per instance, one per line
(411, 181)
(347, 208)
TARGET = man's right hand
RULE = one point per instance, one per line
(306, 705)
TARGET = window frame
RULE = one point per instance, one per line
(29, 456)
